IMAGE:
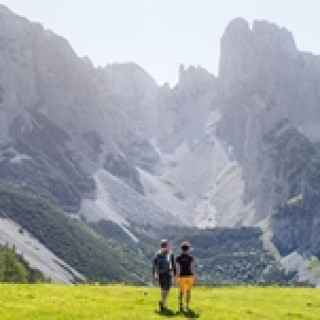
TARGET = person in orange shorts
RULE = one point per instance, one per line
(185, 275)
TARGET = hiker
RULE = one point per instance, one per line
(163, 270)
(185, 274)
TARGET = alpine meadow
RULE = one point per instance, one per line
(60, 302)
(103, 170)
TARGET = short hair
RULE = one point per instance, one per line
(185, 245)
(164, 243)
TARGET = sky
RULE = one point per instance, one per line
(159, 35)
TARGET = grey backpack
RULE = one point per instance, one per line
(163, 263)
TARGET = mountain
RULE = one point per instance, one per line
(15, 269)
(270, 118)
(109, 146)
(68, 248)
(269, 87)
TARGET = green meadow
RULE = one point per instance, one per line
(63, 302)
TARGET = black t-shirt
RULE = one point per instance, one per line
(184, 261)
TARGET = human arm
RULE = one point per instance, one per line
(193, 270)
(174, 265)
(154, 268)
(178, 270)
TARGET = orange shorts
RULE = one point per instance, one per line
(186, 283)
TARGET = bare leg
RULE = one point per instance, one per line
(188, 298)
(164, 295)
(180, 300)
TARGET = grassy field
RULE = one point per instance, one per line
(34, 302)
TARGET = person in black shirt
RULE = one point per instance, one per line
(186, 274)
(163, 270)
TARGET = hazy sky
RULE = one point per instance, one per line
(161, 34)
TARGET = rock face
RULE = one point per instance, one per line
(109, 143)
(295, 223)
(268, 86)
(39, 159)
(270, 110)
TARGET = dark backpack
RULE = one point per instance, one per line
(163, 263)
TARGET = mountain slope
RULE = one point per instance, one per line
(267, 84)
(69, 239)
(110, 144)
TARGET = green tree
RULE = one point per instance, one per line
(11, 269)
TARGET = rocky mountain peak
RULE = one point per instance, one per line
(4, 10)
(129, 78)
(237, 26)
(249, 53)
(194, 74)
(237, 52)
(193, 80)
(272, 37)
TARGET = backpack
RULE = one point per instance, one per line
(163, 263)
